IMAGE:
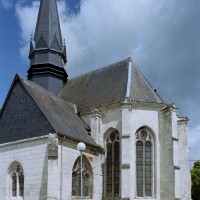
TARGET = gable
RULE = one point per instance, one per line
(21, 118)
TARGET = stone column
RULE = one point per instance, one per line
(96, 134)
(97, 177)
(185, 177)
(53, 170)
(96, 126)
(167, 171)
(126, 150)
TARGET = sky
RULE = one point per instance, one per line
(162, 37)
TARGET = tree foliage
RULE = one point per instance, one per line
(195, 174)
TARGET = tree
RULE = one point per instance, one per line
(195, 174)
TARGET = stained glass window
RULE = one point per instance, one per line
(14, 185)
(144, 164)
(109, 170)
(21, 184)
(76, 179)
(113, 165)
(16, 179)
(116, 169)
(139, 168)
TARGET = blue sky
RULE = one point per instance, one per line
(163, 38)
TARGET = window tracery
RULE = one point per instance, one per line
(16, 174)
(112, 165)
(76, 179)
(144, 163)
(14, 185)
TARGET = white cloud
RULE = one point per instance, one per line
(107, 31)
(7, 4)
(27, 16)
(93, 39)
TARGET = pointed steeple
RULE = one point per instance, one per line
(47, 50)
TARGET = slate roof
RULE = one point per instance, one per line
(20, 117)
(47, 46)
(47, 31)
(108, 85)
(59, 116)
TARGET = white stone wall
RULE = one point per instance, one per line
(126, 150)
(176, 153)
(149, 119)
(111, 118)
(127, 120)
(31, 154)
(185, 176)
(66, 163)
(46, 178)
(67, 155)
(171, 168)
(167, 169)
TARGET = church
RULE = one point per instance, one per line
(136, 144)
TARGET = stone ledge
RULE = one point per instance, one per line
(125, 166)
(125, 136)
(175, 139)
(176, 167)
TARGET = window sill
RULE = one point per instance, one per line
(141, 198)
(78, 198)
(15, 198)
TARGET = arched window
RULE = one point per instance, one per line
(14, 185)
(87, 179)
(144, 163)
(112, 165)
(16, 174)
(21, 184)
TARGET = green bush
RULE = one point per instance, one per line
(195, 174)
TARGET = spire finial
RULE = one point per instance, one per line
(130, 59)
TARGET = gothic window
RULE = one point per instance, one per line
(21, 184)
(76, 179)
(16, 180)
(14, 185)
(144, 164)
(112, 165)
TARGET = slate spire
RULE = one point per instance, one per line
(47, 50)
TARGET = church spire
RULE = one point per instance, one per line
(47, 51)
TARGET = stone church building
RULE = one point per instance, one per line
(136, 144)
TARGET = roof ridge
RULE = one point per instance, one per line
(128, 86)
(100, 69)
